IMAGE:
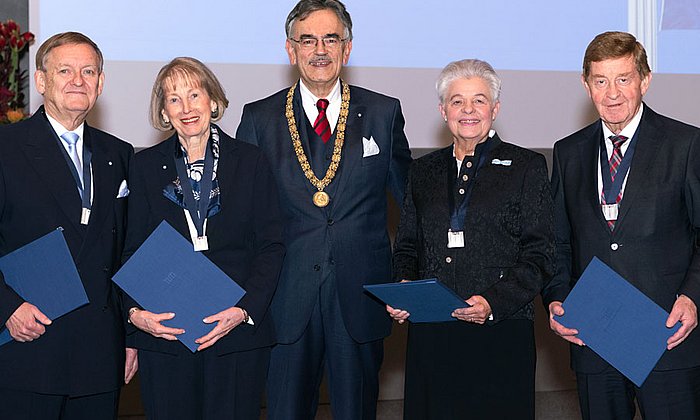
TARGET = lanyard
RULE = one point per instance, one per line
(611, 189)
(458, 214)
(197, 208)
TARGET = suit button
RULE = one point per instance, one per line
(330, 222)
(614, 246)
(465, 177)
(461, 190)
(448, 260)
(317, 267)
(469, 165)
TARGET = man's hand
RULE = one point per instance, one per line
(685, 311)
(568, 334)
(27, 323)
(131, 365)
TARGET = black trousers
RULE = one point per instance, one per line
(458, 370)
(296, 369)
(665, 395)
(203, 385)
(26, 405)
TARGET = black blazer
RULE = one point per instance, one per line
(509, 234)
(653, 244)
(245, 237)
(83, 351)
(351, 232)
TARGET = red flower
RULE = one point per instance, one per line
(3, 42)
(12, 26)
(28, 37)
(13, 41)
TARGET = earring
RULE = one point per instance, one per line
(166, 120)
(445, 119)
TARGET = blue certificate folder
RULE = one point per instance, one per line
(617, 321)
(426, 300)
(43, 273)
(166, 275)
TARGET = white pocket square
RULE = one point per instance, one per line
(369, 147)
(123, 190)
(501, 162)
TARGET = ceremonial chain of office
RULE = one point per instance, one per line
(321, 198)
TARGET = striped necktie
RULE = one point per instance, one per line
(321, 126)
(615, 159)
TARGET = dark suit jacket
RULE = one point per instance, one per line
(245, 237)
(653, 244)
(350, 234)
(83, 351)
(509, 230)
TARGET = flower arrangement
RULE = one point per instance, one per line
(12, 79)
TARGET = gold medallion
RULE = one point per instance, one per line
(321, 199)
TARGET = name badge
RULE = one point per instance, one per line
(85, 216)
(201, 243)
(610, 211)
(455, 239)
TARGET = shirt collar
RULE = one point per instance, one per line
(61, 130)
(309, 98)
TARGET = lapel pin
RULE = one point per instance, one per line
(359, 114)
(165, 166)
(109, 163)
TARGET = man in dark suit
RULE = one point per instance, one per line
(626, 190)
(334, 154)
(56, 171)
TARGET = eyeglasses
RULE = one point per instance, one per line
(330, 42)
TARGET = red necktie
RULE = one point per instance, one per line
(322, 127)
(615, 159)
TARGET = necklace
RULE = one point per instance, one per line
(320, 198)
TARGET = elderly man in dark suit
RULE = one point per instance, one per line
(73, 367)
(335, 150)
(643, 224)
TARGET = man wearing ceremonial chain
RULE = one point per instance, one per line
(336, 150)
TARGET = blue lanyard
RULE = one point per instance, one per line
(197, 208)
(611, 189)
(458, 214)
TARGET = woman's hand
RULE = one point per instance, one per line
(478, 312)
(151, 323)
(226, 321)
(397, 314)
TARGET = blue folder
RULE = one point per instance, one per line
(166, 275)
(617, 321)
(426, 300)
(43, 273)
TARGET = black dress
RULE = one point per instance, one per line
(458, 370)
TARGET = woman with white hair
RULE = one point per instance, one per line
(478, 216)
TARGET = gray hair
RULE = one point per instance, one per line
(467, 69)
(66, 38)
(305, 7)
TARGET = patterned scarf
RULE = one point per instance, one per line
(195, 170)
